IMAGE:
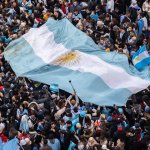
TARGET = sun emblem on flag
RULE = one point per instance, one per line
(69, 58)
(136, 59)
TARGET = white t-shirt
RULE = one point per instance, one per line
(110, 5)
(145, 22)
(55, 145)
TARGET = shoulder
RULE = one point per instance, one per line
(35, 148)
(56, 140)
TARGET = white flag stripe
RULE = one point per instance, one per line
(43, 44)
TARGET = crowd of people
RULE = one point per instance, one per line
(41, 119)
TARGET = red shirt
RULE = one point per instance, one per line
(63, 8)
(3, 137)
(1, 88)
(22, 136)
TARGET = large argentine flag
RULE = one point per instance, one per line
(58, 52)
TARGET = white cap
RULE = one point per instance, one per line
(27, 141)
(78, 125)
(53, 96)
(100, 23)
(104, 147)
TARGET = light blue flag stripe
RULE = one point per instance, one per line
(71, 37)
(145, 62)
(101, 93)
(11, 145)
(19, 48)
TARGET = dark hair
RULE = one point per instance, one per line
(59, 16)
(87, 120)
(68, 122)
(46, 148)
(45, 141)
(75, 109)
(13, 132)
(51, 136)
(38, 139)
